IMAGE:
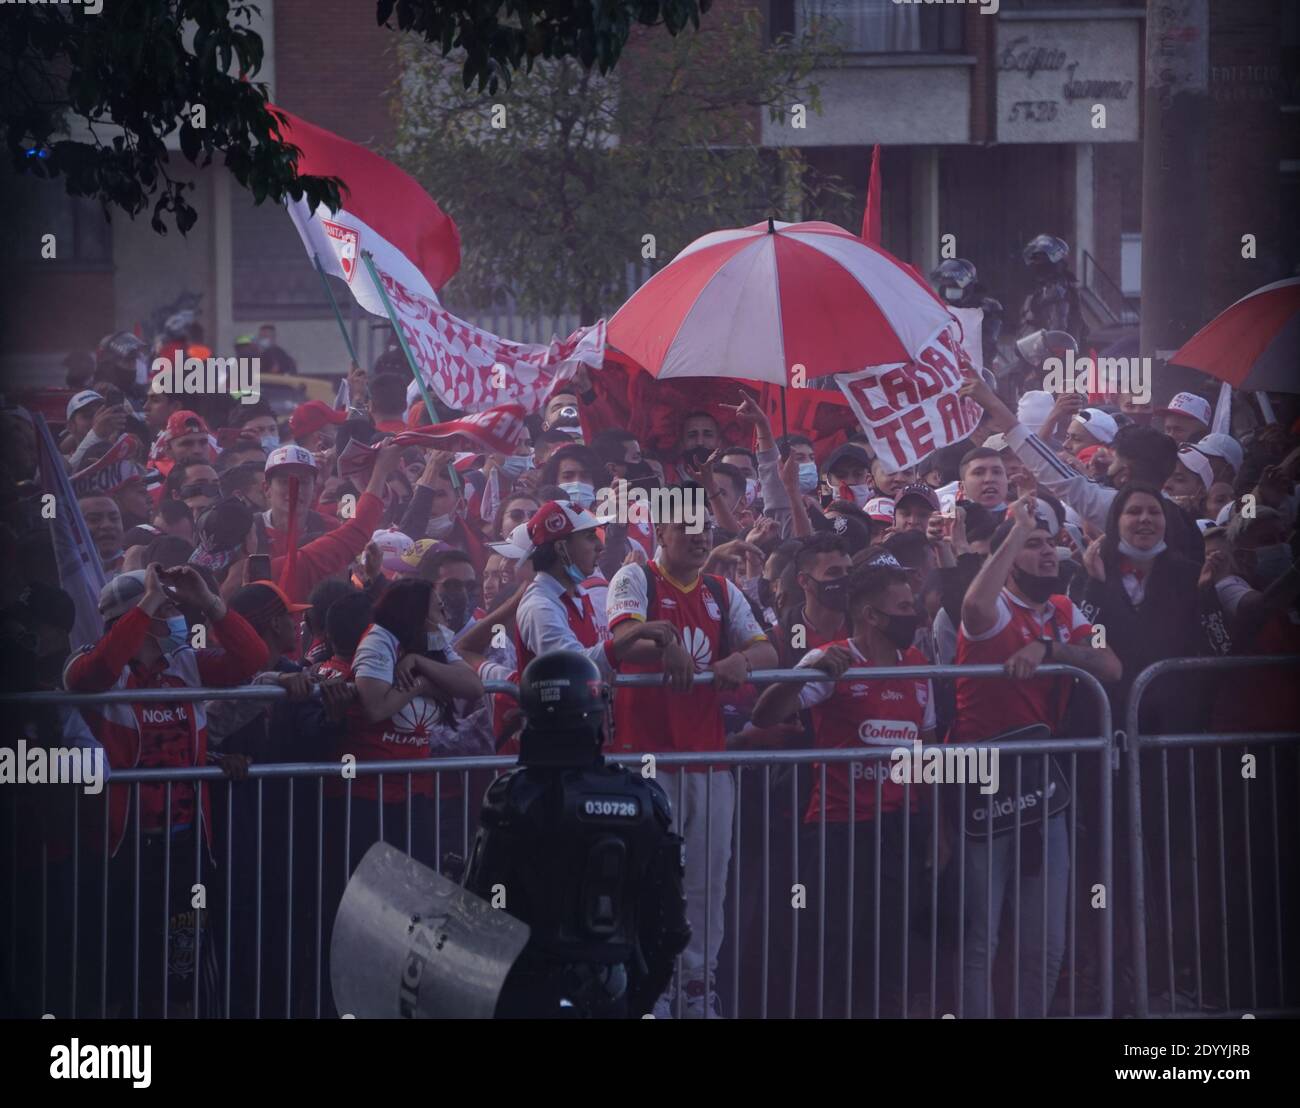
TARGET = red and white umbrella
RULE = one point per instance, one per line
(1254, 344)
(754, 302)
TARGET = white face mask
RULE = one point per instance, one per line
(807, 477)
(861, 494)
(436, 640)
(517, 464)
(580, 493)
(440, 527)
(1133, 554)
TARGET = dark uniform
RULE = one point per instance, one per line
(583, 853)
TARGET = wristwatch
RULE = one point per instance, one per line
(1047, 642)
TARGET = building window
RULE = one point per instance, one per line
(83, 238)
(883, 26)
(271, 273)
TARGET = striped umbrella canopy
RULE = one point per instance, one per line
(1254, 344)
(755, 302)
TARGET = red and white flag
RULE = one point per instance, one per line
(472, 370)
(494, 431)
(385, 211)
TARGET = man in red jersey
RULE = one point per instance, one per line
(861, 802)
(1013, 615)
(717, 633)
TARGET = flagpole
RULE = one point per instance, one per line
(401, 337)
(352, 353)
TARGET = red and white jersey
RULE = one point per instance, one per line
(659, 719)
(550, 618)
(414, 732)
(989, 706)
(641, 529)
(847, 714)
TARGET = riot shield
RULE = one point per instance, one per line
(410, 944)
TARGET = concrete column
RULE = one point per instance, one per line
(925, 208)
(1084, 198)
(1175, 184)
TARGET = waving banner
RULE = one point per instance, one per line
(497, 430)
(911, 409)
(472, 369)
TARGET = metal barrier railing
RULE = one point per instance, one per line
(1135, 744)
(259, 933)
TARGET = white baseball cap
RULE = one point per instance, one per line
(517, 544)
(1193, 460)
(1033, 408)
(289, 455)
(394, 545)
(83, 399)
(1222, 446)
(880, 508)
(1188, 403)
(1100, 425)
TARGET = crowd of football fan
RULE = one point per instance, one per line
(1103, 535)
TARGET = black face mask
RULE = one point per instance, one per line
(1038, 589)
(457, 603)
(834, 594)
(900, 630)
(696, 456)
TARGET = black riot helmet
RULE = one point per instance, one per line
(1045, 254)
(565, 702)
(951, 279)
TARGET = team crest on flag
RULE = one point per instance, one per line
(344, 240)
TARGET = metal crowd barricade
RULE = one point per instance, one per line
(1182, 844)
(746, 961)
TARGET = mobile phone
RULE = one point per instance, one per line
(259, 568)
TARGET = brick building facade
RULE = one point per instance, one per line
(984, 120)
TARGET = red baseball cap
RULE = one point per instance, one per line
(557, 519)
(310, 417)
(186, 423)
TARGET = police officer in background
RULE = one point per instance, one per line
(585, 856)
(1053, 305)
(959, 286)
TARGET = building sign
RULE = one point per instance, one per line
(1053, 73)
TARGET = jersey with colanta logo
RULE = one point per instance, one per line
(850, 714)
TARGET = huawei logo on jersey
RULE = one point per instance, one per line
(413, 725)
(697, 642)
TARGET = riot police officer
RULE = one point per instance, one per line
(1053, 304)
(958, 285)
(583, 853)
